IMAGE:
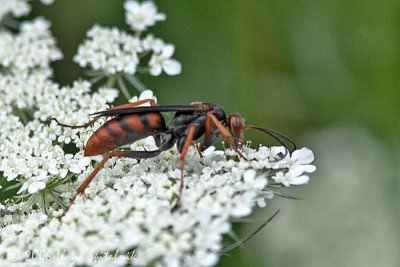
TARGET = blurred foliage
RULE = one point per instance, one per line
(295, 66)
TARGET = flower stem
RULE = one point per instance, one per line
(136, 83)
(111, 81)
(23, 117)
(123, 88)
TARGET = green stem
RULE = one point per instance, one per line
(23, 117)
(123, 88)
(135, 82)
(143, 70)
(111, 81)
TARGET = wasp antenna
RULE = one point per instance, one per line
(277, 136)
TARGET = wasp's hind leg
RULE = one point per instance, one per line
(92, 121)
(89, 123)
(119, 154)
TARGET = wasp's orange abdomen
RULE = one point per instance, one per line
(123, 130)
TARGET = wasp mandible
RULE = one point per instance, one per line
(132, 122)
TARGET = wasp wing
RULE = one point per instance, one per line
(123, 111)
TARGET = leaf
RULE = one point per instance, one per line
(9, 189)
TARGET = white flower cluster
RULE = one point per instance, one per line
(298, 164)
(32, 47)
(140, 16)
(29, 98)
(17, 8)
(113, 51)
(130, 204)
(162, 61)
(110, 50)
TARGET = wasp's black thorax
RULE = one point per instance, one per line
(178, 128)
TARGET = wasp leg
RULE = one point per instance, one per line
(207, 134)
(225, 134)
(196, 145)
(125, 154)
(210, 134)
(92, 121)
(188, 141)
(135, 104)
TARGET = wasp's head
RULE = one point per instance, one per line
(236, 128)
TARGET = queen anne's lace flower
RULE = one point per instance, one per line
(151, 43)
(140, 16)
(32, 47)
(109, 50)
(17, 8)
(134, 212)
(298, 163)
(162, 62)
(47, 2)
(112, 51)
(300, 160)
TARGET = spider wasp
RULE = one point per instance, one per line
(132, 122)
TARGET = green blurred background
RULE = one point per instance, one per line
(326, 73)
